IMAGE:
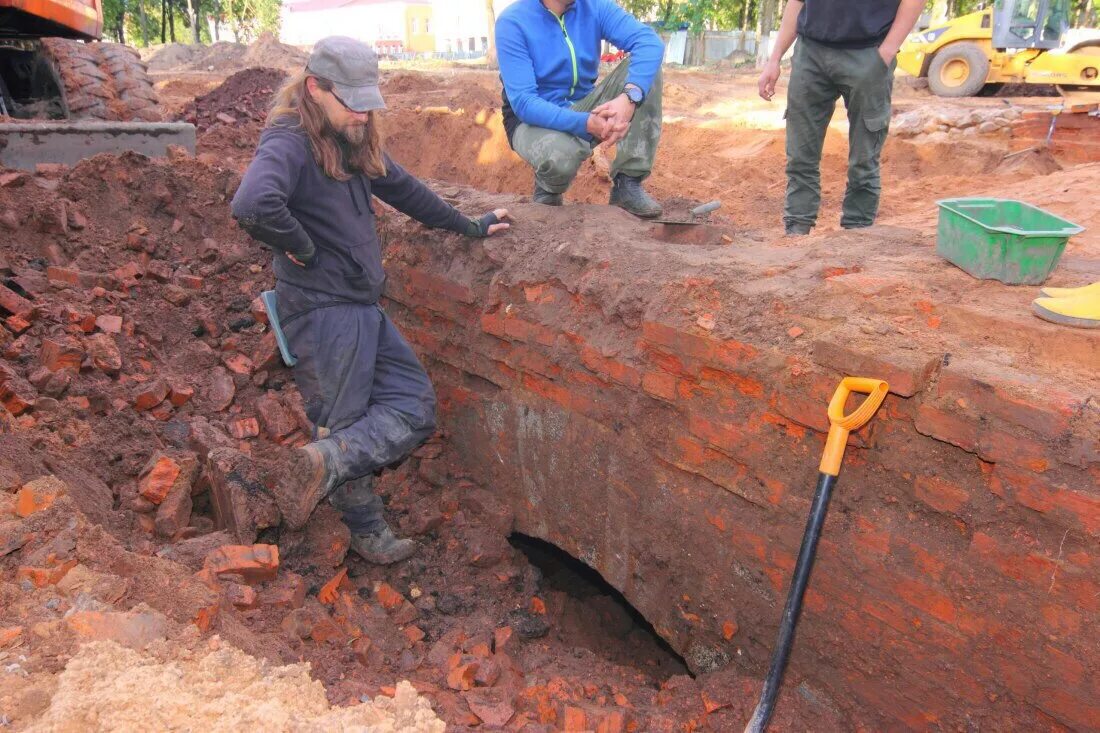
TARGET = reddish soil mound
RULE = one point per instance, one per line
(243, 97)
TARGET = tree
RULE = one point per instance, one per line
(491, 53)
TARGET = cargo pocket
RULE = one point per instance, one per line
(877, 122)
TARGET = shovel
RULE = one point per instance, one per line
(839, 427)
(698, 215)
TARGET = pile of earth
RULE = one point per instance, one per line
(224, 56)
(245, 97)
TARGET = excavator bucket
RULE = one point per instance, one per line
(25, 145)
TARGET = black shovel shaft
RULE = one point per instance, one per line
(793, 609)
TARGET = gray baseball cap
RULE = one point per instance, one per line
(352, 67)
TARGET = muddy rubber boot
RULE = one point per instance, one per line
(798, 230)
(627, 193)
(382, 547)
(310, 476)
(544, 197)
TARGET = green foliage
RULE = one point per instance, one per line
(246, 19)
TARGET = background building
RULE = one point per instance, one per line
(391, 26)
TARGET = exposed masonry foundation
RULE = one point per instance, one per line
(658, 411)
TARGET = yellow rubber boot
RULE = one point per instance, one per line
(1082, 311)
(1071, 292)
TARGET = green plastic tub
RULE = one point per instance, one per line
(1002, 239)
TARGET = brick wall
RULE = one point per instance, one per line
(958, 578)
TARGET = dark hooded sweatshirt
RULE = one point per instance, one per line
(288, 203)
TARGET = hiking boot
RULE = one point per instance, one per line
(310, 477)
(627, 193)
(544, 197)
(382, 547)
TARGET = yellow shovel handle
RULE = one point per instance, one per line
(840, 424)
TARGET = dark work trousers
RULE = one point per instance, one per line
(819, 76)
(363, 388)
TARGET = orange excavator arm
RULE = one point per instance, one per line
(84, 18)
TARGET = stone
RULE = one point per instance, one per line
(150, 394)
(104, 354)
(192, 553)
(288, 590)
(492, 707)
(242, 503)
(276, 420)
(39, 494)
(134, 629)
(220, 390)
(109, 323)
(16, 394)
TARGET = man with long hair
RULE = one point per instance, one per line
(555, 114)
(308, 196)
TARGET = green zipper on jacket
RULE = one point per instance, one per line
(572, 50)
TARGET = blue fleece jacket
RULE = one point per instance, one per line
(548, 63)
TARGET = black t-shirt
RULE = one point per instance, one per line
(847, 23)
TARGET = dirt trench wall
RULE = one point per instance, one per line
(651, 410)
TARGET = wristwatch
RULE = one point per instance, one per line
(634, 93)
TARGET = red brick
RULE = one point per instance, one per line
(150, 394)
(425, 282)
(13, 302)
(258, 310)
(61, 352)
(158, 477)
(943, 496)
(255, 563)
(174, 513)
(238, 364)
(1014, 563)
(16, 394)
(180, 395)
(678, 342)
(660, 385)
(947, 427)
(529, 332)
(245, 427)
(17, 324)
(1076, 509)
(927, 599)
(721, 434)
(907, 372)
(190, 282)
(610, 368)
(64, 275)
(1019, 399)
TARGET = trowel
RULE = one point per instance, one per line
(696, 216)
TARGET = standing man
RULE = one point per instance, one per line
(308, 196)
(846, 48)
(554, 112)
